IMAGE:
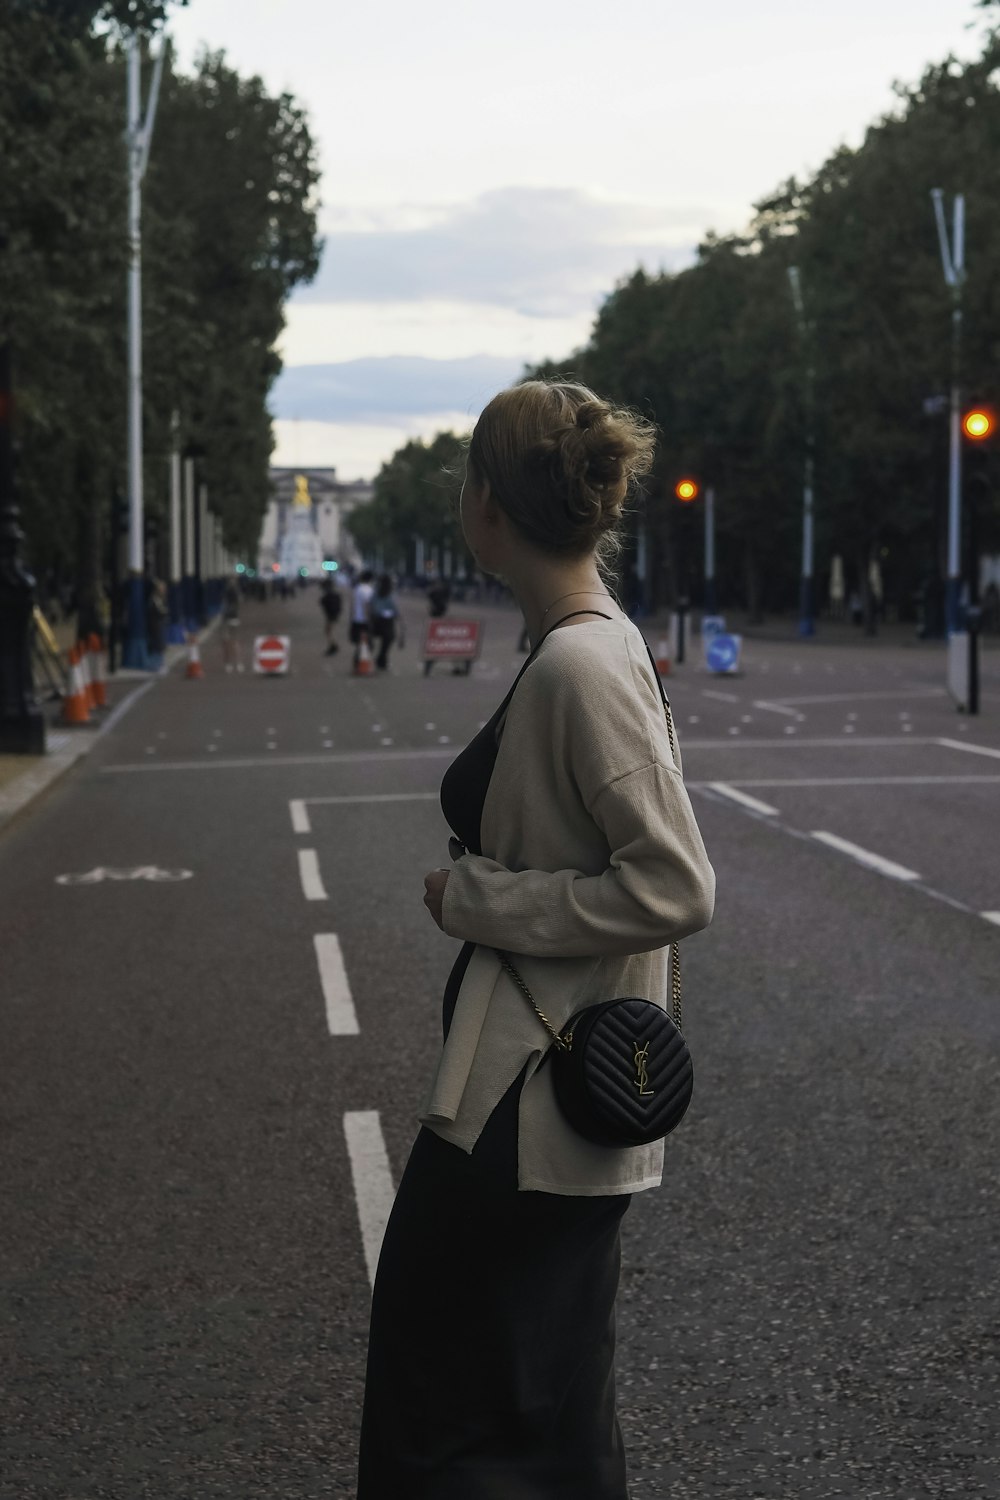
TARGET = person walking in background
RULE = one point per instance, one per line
(438, 596)
(361, 622)
(384, 614)
(231, 655)
(491, 1345)
(331, 604)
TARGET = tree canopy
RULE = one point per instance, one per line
(718, 356)
(229, 228)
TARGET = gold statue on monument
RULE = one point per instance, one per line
(302, 498)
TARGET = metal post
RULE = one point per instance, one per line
(710, 600)
(953, 263)
(189, 609)
(807, 612)
(200, 560)
(138, 134)
(175, 627)
(218, 562)
(135, 652)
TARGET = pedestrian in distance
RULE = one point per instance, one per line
(576, 851)
(438, 597)
(384, 616)
(361, 618)
(231, 653)
(331, 605)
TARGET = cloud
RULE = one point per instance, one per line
(390, 389)
(538, 251)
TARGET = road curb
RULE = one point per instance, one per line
(33, 784)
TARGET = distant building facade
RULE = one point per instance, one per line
(304, 522)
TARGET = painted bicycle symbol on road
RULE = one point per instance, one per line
(141, 872)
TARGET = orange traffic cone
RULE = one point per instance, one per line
(194, 667)
(366, 665)
(76, 704)
(98, 676)
(662, 658)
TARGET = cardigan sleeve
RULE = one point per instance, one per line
(658, 887)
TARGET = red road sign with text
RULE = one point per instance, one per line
(452, 640)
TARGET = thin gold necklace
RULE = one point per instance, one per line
(603, 593)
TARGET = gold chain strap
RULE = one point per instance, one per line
(565, 1042)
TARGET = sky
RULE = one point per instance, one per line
(490, 171)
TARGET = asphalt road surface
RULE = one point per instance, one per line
(220, 1003)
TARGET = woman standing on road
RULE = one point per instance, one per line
(385, 614)
(491, 1350)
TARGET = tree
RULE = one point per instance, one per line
(416, 495)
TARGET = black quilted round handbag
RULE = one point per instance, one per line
(622, 1070)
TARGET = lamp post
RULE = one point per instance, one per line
(953, 264)
(138, 135)
(807, 620)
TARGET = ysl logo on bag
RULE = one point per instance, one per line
(641, 1076)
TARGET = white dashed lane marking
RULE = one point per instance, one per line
(373, 1189)
(972, 749)
(300, 817)
(742, 798)
(312, 881)
(866, 857)
(341, 1017)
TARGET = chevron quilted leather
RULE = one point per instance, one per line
(628, 1077)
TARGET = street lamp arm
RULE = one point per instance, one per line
(146, 132)
(942, 229)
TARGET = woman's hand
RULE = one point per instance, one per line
(434, 884)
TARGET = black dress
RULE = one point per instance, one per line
(491, 1347)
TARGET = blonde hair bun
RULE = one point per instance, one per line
(561, 461)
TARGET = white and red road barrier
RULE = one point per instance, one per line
(663, 656)
(365, 664)
(271, 654)
(194, 667)
(452, 640)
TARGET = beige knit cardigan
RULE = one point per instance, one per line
(592, 865)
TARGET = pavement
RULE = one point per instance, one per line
(214, 939)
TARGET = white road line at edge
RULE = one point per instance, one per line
(776, 708)
(373, 1189)
(741, 797)
(300, 817)
(312, 881)
(865, 856)
(991, 916)
(341, 1017)
(972, 749)
(377, 797)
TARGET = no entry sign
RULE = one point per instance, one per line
(451, 640)
(271, 653)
